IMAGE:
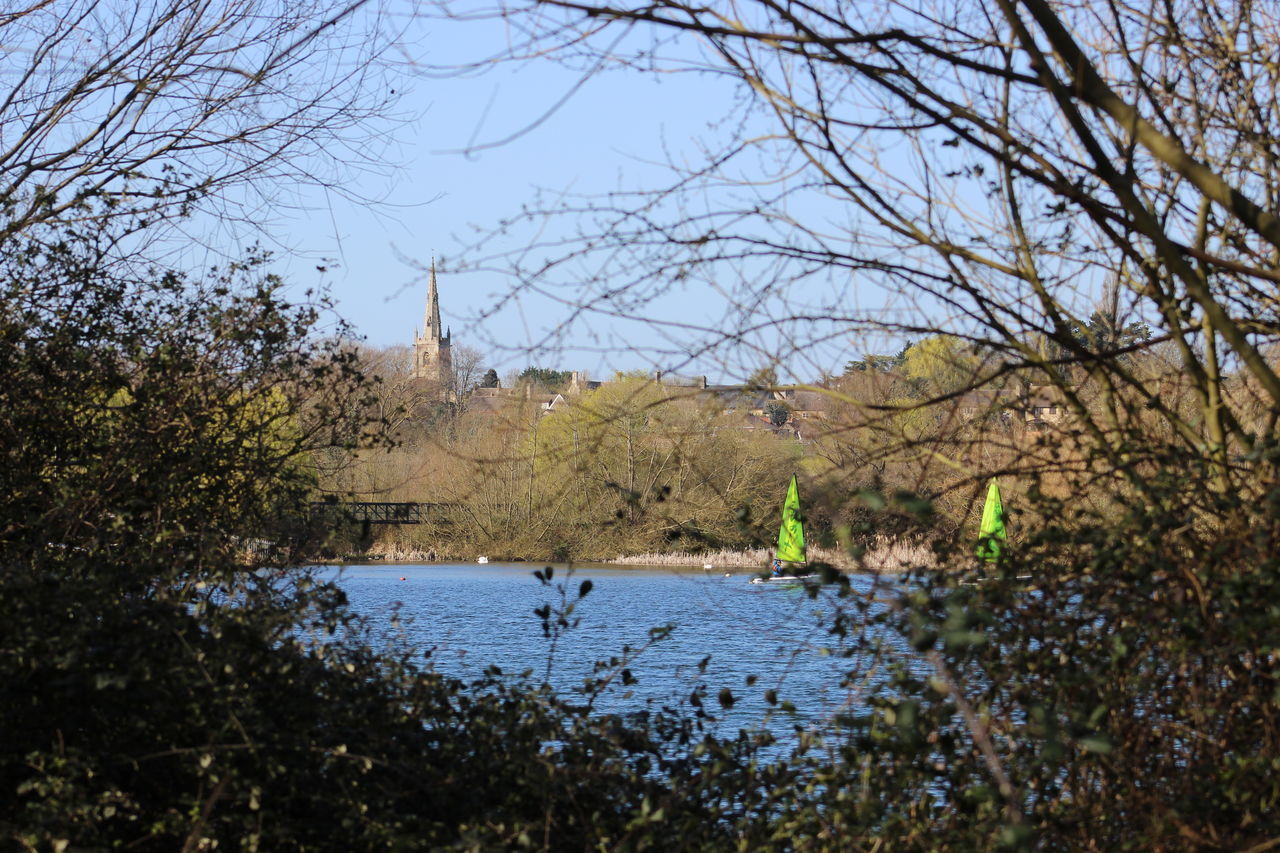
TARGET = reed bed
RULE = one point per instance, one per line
(890, 556)
(752, 558)
(394, 553)
(884, 554)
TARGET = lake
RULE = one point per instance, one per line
(474, 616)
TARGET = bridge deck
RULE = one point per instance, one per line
(372, 512)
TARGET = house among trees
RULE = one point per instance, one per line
(580, 383)
(1036, 409)
(779, 409)
(1043, 407)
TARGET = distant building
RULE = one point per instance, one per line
(672, 380)
(1043, 407)
(1035, 408)
(432, 358)
(580, 383)
(751, 403)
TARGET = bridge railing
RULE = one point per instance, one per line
(371, 512)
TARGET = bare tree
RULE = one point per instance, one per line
(464, 373)
(140, 111)
(397, 394)
(999, 174)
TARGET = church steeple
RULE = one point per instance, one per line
(431, 356)
(431, 320)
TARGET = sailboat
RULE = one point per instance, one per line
(992, 539)
(790, 555)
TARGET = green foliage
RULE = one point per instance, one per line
(777, 412)
(1101, 334)
(157, 433)
(873, 363)
(545, 377)
(632, 467)
(490, 379)
(940, 364)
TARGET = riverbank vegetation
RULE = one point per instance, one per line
(640, 466)
(1074, 201)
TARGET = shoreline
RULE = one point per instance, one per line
(883, 555)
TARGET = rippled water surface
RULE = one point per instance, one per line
(474, 616)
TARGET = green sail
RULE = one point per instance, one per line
(991, 535)
(791, 534)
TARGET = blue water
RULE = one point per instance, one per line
(475, 616)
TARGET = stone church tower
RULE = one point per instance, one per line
(432, 359)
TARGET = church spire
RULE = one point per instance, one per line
(431, 322)
(431, 357)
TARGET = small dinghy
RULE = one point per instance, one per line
(790, 562)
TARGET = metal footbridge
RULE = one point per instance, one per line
(372, 512)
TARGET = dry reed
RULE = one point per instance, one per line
(883, 554)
